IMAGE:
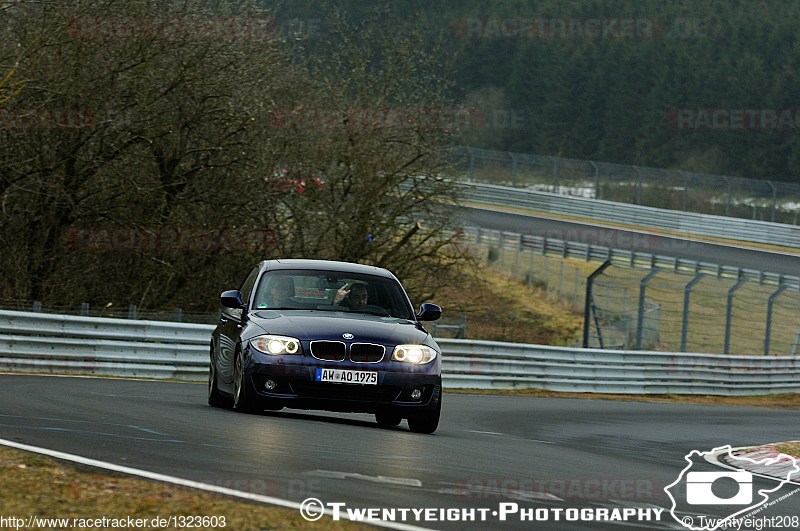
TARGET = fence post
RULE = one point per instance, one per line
(639, 186)
(177, 315)
(685, 191)
(596, 180)
(729, 314)
(770, 303)
(730, 196)
(774, 198)
(640, 320)
(555, 175)
(587, 310)
(471, 165)
(516, 258)
(685, 325)
(530, 268)
(796, 341)
(131, 311)
(560, 280)
(37, 307)
(85, 309)
(500, 245)
(575, 291)
(513, 170)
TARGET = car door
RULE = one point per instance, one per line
(231, 325)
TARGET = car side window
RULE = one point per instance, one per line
(247, 285)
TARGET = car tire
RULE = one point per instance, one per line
(388, 418)
(428, 420)
(215, 398)
(242, 400)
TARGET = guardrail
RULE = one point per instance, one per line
(642, 216)
(624, 257)
(150, 349)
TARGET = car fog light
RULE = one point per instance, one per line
(270, 385)
(416, 394)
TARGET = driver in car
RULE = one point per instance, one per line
(353, 298)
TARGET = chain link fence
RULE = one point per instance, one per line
(682, 312)
(654, 309)
(671, 189)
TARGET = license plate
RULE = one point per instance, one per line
(345, 376)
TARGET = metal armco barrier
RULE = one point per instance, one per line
(493, 365)
(642, 216)
(150, 349)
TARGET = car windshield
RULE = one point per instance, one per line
(319, 290)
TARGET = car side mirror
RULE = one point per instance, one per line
(429, 312)
(232, 299)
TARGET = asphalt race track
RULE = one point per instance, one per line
(685, 248)
(541, 453)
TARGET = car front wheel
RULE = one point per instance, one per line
(428, 420)
(241, 397)
(215, 398)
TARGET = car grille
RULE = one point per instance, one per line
(328, 350)
(335, 391)
(366, 352)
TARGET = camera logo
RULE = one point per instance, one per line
(729, 494)
(699, 488)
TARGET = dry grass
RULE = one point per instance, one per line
(40, 486)
(789, 448)
(499, 308)
(781, 401)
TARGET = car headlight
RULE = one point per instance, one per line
(416, 354)
(276, 345)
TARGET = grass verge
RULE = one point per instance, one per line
(789, 448)
(33, 485)
(781, 401)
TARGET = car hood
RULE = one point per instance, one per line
(308, 325)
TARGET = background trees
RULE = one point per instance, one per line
(146, 116)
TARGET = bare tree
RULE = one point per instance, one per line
(365, 180)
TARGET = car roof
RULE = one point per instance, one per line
(327, 265)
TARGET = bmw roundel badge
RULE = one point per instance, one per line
(348, 335)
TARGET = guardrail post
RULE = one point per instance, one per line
(640, 318)
(774, 198)
(685, 325)
(588, 303)
(685, 191)
(770, 303)
(729, 314)
(131, 311)
(596, 179)
(177, 315)
(555, 175)
(37, 307)
(639, 187)
(84, 309)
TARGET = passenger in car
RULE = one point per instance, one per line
(353, 298)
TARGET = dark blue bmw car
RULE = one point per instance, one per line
(336, 336)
